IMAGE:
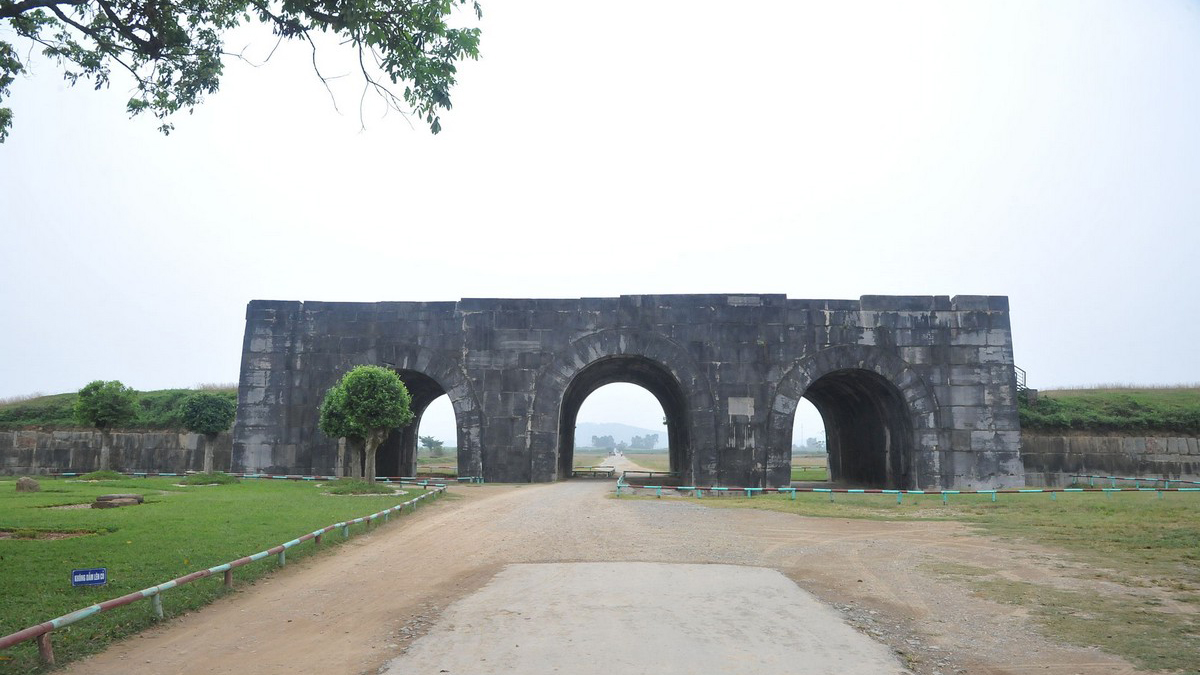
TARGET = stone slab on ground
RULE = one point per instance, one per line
(114, 503)
(661, 618)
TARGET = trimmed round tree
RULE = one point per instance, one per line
(105, 405)
(209, 414)
(366, 404)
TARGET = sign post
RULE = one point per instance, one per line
(97, 576)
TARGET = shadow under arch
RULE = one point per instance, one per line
(652, 361)
(881, 418)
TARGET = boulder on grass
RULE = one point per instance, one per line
(27, 484)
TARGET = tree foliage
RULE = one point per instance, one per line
(174, 49)
(603, 442)
(365, 405)
(646, 442)
(207, 413)
(105, 405)
(432, 444)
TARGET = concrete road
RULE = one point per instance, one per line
(642, 617)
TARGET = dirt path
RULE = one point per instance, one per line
(354, 611)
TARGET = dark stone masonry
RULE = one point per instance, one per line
(916, 392)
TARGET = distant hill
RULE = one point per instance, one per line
(620, 432)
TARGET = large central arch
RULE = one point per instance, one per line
(652, 377)
(659, 365)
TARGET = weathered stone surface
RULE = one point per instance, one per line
(897, 379)
(114, 503)
(40, 452)
(27, 484)
(1053, 460)
(128, 495)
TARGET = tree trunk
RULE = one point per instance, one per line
(354, 456)
(374, 440)
(209, 439)
(105, 451)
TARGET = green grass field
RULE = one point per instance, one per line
(809, 475)
(590, 458)
(177, 530)
(653, 461)
(1133, 539)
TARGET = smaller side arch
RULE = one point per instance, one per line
(645, 358)
(857, 386)
(450, 377)
(428, 374)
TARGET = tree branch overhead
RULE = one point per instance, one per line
(174, 48)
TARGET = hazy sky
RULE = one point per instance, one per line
(1048, 151)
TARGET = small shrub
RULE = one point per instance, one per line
(216, 477)
(105, 405)
(106, 474)
(355, 486)
(207, 413)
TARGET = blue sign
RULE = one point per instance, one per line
(92, 577)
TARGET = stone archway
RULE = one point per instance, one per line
(649, 375)
(880, 418)
(652, 361)
(428, 376)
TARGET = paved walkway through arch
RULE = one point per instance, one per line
(354, 611)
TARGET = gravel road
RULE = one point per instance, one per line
(356, 610)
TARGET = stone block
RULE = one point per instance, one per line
(114, 503)
(964, 395)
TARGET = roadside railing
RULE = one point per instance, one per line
(1135, 480)
(594, 471)
(404, 480)
(714, 491)
(41, 632)
(647, 473)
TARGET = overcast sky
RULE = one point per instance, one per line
(1048, 151)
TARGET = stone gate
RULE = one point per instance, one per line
(916, 392)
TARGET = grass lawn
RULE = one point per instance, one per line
(1133, 539)
(586, 458)
(176, 531)
(653, 461)
(808, 474)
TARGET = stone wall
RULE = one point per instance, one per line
(1052, 460)
(917, 391)
(78, 450)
